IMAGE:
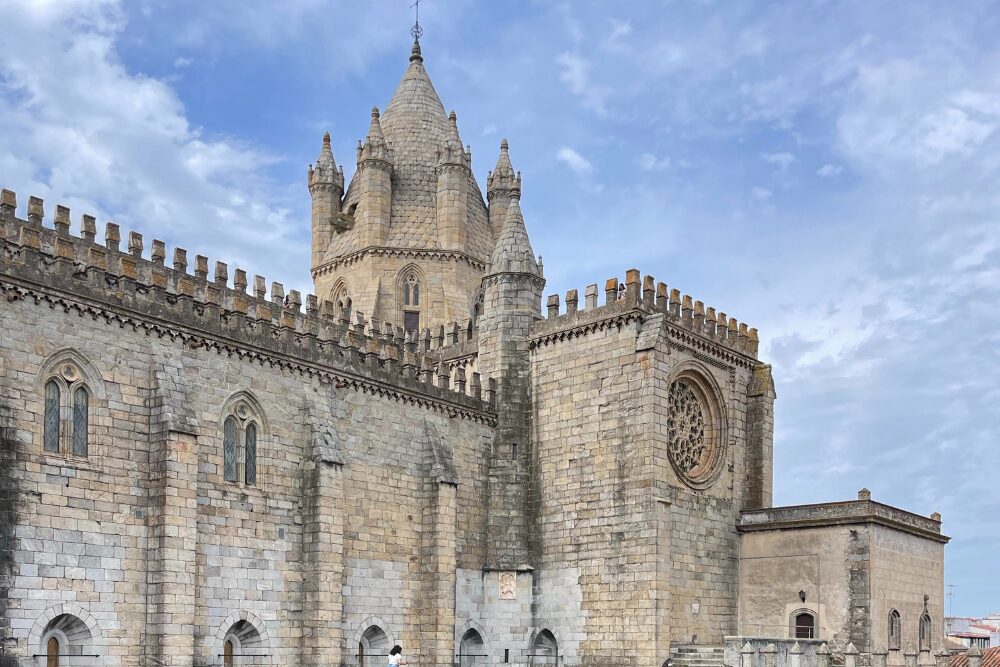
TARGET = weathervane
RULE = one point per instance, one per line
(416, 30)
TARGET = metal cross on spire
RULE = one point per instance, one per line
(416, 30)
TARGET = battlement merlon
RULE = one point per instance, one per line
(647, 297)
(209, 313)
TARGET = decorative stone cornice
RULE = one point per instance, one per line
(373, 163)
(686, 323)
(354, 379)
(852, 512)
(405, 253)
(46, 266)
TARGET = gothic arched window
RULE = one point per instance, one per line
(51, 424)
(66, 418)
(411, 302)
(895, 630)
(240, 437)
(342, 301)
(925, 632)
(411, 291)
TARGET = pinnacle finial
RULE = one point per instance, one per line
(415, 52)
(504, 146)
(375, 113)
(326, 139)
(416, 30)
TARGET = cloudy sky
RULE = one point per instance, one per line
(828, 172)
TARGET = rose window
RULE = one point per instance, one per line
(692, 437)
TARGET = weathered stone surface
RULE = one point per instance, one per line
(313, 487)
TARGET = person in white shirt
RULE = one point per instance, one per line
(396, 656)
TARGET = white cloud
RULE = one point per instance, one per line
(783, 160)
(761, 194)
(649, 162)
(576, 75)
(619, 28)
(182, 62)
(76, 127)
(574, 161)
(829, 170)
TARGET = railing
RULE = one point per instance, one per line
(246, 660)
(66, 659)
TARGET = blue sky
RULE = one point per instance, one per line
(828, 172)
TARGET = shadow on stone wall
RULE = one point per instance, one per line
(8, 501)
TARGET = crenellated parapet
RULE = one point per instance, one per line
(223, 311)
(635, 299)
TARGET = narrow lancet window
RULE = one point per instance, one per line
(229, 436)
(51, 424)
(250, 470)
(81, 403)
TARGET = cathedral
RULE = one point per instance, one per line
(200, 469)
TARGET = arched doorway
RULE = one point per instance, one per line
(373, 648)
(544, 649)
(67, 642)
(471, 650)
(243, 645)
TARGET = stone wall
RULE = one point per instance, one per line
(905, 568)
(647, 545)
(774, 567)
(365, 470)
(854, 562)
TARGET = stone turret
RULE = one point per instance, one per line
(453, 175)
(326, 187)
(413, 219)
(501, 184)
(374, 179)
(512, 289)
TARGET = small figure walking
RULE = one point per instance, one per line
(396, 656)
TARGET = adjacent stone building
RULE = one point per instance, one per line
(200, 469)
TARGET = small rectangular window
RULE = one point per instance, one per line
(513, 452)
(411, 320)
(506, 655)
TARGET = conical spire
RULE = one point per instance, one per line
(326, 171)
(375, 147)
(503, 179)
(512, 253)
(375, 135)
(415, 107)
(452, 151)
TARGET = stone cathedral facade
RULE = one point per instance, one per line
(197, 468)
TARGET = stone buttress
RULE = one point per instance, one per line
(512, 289)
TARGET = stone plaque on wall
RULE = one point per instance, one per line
(508, 585)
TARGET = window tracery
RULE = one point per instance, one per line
(240, 439)
(694, 430)
(66, 412)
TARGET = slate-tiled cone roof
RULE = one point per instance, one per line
(513, 249)
(416, 127)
